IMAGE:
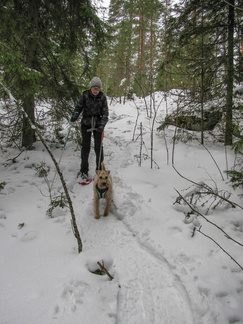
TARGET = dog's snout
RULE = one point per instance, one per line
(103, 184)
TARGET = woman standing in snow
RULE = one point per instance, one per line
(93, 105)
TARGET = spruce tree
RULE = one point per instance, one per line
(202, 53)
(45, 48)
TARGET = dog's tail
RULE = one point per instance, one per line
(102, 166)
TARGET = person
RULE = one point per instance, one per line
(94, 109)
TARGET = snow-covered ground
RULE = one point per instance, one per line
(162, 273)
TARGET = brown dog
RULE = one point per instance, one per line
(102, 189)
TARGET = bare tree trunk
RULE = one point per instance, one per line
(151, 57)
(230, 75)
(141, 59)
(193, 85)
(202, 82)
(129, 51)
(142, 36)
(165, 58)
(28, 133)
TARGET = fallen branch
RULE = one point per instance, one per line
(105, 270)
(199, 230)
(210, 190)
(14, 158)
(212, 159)
(193, 231)
(196, 211)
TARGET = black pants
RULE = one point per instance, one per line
(86, 144)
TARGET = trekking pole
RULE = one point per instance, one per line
(101, 148)
(63, 149)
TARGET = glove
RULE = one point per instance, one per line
(74, 117)
(100, 129)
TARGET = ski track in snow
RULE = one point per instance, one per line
(149, 292)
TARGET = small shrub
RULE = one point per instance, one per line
(236, 178)
(42, 170)
(2, 185)
(58, 201)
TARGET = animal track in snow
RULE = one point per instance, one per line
(29, 236)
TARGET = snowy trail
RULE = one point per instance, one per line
(149, 292)
(161, 273)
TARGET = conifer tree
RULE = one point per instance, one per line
(202, 52)
(43, 45)
(134, 26)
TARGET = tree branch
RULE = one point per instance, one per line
(105, 270)
(193, 209)
(210, 190)
(199, 230)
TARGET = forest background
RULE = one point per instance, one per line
(50, 50)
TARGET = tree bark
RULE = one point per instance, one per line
(28, 137)
(202, 80)
(230, 75)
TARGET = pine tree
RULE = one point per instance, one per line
(134, 26)
(121, 17)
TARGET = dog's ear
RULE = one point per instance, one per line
(108, 172)
(97, 171)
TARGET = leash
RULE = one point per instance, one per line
(93, 128)
(101, 147)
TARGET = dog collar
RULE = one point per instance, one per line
(101, 192)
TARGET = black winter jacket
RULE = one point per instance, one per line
(91, 105)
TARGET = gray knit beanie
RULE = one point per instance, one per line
(96, 82)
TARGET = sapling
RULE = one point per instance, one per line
(73, 218)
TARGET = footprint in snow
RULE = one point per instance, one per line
(29, 236)
(2, 215)
(11, 190)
